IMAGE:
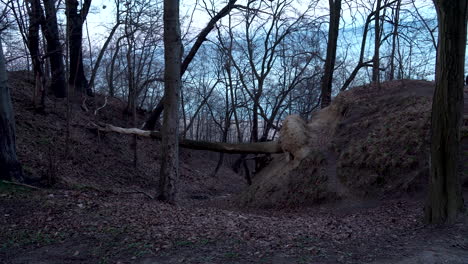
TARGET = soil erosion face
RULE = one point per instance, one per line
(369, 141)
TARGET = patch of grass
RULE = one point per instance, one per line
(104, 260)
(113, 231)
(183, 243)
(231, 255)
(44, 141)
(22, 238)
(139, 248)
(192, 244)
(303, 259)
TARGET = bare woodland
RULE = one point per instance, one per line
(246, 80)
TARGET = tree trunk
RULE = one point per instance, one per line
(376, 59)
(445, 195)
(333, 30)
(35, 19)
(54, 50)
(112, 68)
(152, 123)
(10, 168)
(75, 19)
(254, 135)
(169, 174)
(394, 40)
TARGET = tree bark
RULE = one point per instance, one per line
(445, 196)
(75, 19)
(376, 58)
(10, 168)
(169, 174)
(396, 23)
(54, 50)
(36, 17)
(333, 30)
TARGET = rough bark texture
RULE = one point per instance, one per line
(10, 168)
(35, 19)
(169, 174)
(54, 50)
(445, 196)
(376, 59)
(75, 20)
(333, 30)
(396, 22)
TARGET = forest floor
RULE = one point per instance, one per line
(99, 209)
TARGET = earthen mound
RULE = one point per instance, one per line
(372, 141)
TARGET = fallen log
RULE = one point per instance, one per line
(241, 148)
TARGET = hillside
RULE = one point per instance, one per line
(92, 206)
(100, 161)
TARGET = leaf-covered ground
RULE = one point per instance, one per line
(75, 226)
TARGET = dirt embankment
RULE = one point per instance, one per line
(379, 147)
(101, 161)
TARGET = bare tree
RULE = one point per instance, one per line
(156, 112)
(54, 50)
(36, 17)
(396, 22)
(169, 174)
(361, 62)
(333, 30)
(445, 195)
(106, 44)
(377, 38)
(75, 21)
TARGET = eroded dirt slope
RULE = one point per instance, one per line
(378, 146)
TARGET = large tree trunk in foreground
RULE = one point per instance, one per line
(169, 174)
(54, 50)
(10, 168)
(333, 30)
(445, 195)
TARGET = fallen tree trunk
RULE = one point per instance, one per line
(242, 148)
